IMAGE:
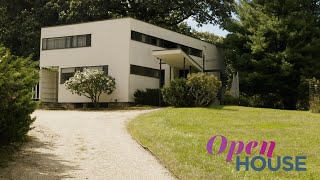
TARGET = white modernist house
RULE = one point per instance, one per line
(137, 54)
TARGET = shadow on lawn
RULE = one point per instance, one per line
(30, 163)
(221, 107)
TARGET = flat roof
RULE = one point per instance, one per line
(122, 18)
(176, 58)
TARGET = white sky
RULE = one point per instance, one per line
(207, 27)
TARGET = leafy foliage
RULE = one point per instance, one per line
(148, 97)
(273, 46)
(197, 90)
(91, 83)
(17, 78)
(204, 88)
(178, 94)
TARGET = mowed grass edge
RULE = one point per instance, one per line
(178, 136)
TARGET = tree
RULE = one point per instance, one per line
(91, 83)
(209, 37)
(17, 78)
(21, 20)
(272, 44)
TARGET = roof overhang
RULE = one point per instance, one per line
(176, 58)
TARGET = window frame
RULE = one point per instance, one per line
(105, 69)
(67, 45)
(144, 71)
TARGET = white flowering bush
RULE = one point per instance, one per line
(91, 83)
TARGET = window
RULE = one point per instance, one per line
(136, 36)
(164, 43)
(144, 71)
(105, 69)
(82, 41)
(67, 73)
(66, 42)
(195, 52)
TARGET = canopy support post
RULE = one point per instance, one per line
(160, 78)
(184, 67)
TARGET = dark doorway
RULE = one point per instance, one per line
(183, 73)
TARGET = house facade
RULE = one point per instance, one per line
(137, 54)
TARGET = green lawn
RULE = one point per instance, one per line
(178, 136)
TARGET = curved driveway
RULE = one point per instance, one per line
(84, 145)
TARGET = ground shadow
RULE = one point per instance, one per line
(222, 107)
(30, 163)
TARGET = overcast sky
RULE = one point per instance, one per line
(209, 27)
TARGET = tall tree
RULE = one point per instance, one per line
(274, 45)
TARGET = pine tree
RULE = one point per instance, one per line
(274, 46)
(17, 78)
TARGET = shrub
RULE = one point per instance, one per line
(178, 94)
(91, 83)
(314, 100)
(204, 88)
(148, 97)
(197, 90)
(315, 104)
(17, 78)
(230, 100)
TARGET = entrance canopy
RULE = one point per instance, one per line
(177, 58)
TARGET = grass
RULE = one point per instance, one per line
(178, 137)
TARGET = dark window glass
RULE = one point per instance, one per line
(88, 39)
(154, 41)
(65, 77)
(144, 71)
(105, 70)
(195, 52)
(66, 74)
(136, 36)
(185, 49)
(169, 44)
(44, 43)
(66, 42)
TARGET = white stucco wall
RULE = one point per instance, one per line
(109, 46)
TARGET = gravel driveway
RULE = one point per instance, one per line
(83, 145)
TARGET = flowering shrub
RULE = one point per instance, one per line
(91, 83)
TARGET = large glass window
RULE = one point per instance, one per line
(164, 43)
(67, 73)
(144, 71)
(66, 42)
